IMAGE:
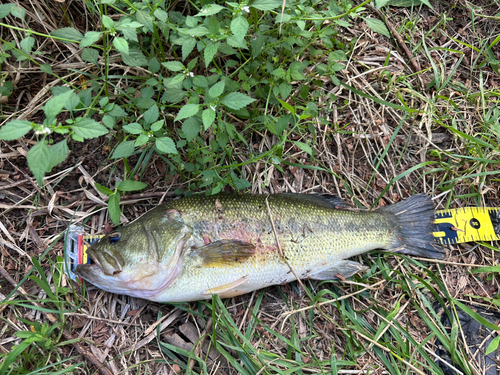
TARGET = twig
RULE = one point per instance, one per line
(411, 59)
(103, 369)
(280, 249)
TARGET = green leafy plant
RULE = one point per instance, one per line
(114, 196)
(45, 154)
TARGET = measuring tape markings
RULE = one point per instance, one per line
(467, 224)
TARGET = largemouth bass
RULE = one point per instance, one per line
(230, 244)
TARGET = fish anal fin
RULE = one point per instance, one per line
(345, 268)
(227, 290)
(225, 253)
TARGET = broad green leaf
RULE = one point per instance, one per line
(107, 22)
(236, 42)
(5, 9)
(166, 145)
(27, 44)
(15, 129)
(134, 58)
(145, 102)
(174, 66)
(73, 100)
(493, 345)
(130, 33)
(191, 128)
(239, 27)
(208, 117)
(297, 70)
(114, 208)
(18, 11)
(174, 95)
(279, 73)
(90, 55)
(117, 112)
(217, 90)
(408, 3)
(133, 128)
(304, 147)
(175, 80)
(381, 3)
(39, 160)
(126, 23)
(58, 153)
(187, 47)
(213, 25)
(161, 14)
(104, 189)
(287, 106)
(121, 44)
(131, 185)
(88, 128)
(123, 150)
(377, 26)
(285, 89)
(152, 114)
(141, 140)
(109, 121)
(209, 52)
(67, 34)
(55, 105)
(236, 100)
(196, 31)
(90, 38)
(157, 125)
(154, 66)
(209, 10)
(267, 4)
(46, 68)
(487, 269)
(200, 81)
(239, 183)
(146, 19)
(187, 110)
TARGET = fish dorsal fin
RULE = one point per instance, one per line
(322, 200)
(225, 253)
(227, 290)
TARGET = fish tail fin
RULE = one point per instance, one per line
(413, 221)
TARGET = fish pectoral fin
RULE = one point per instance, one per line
(225, 253)
(345, 268)
(227, 290)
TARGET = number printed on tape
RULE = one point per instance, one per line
(467, 224)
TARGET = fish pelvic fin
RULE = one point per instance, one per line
(413, 221)
(227, 290)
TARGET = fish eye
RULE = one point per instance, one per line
(114, 238)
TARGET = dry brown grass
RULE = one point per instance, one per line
(124, 333)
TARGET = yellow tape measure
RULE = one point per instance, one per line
(467, 224)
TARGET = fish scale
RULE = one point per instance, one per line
(230, 244)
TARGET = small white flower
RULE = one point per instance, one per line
(192, 36)
(212, 107)
(45, 130)
(191, 74)
(246, 9)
